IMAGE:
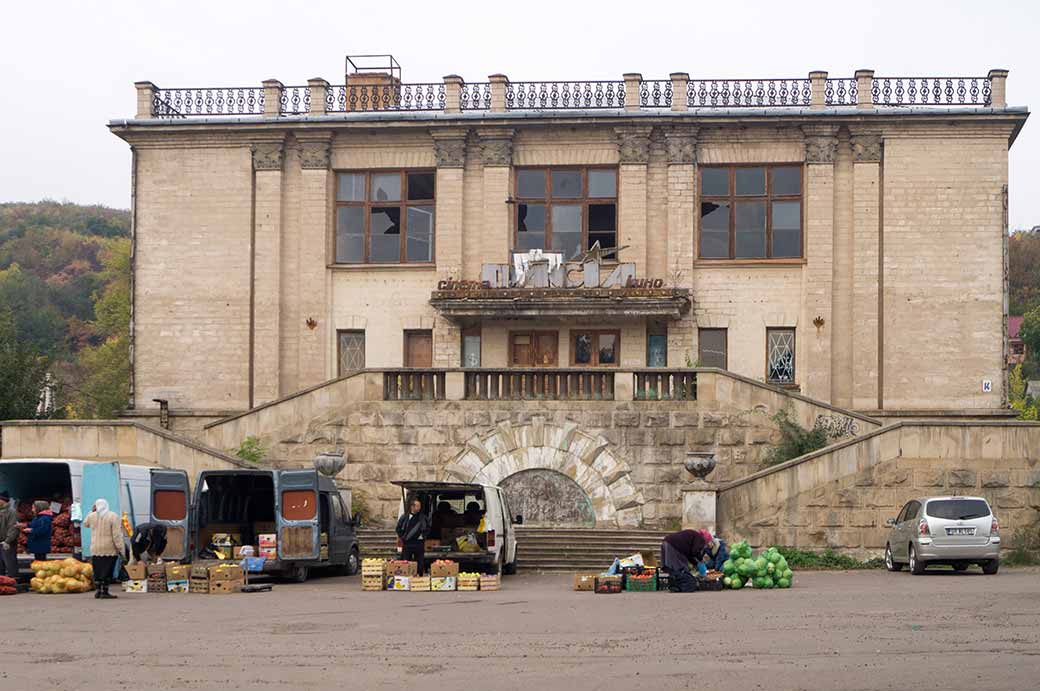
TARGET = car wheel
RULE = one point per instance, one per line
(298, 574)
(990, 567)
(353, 562)
(890, 563)
(960, 567)
(916, 565)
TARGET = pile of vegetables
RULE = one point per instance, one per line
(768, 570)
(8, 586)
(65, 576)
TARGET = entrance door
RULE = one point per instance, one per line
(418, 349)
(170, 507)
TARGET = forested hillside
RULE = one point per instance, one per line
(64, 308)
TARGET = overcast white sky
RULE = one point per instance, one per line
(66, 67)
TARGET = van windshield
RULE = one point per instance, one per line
(958, 509)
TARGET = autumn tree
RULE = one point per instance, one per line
(23, 371)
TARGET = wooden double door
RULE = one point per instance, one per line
(418, 348)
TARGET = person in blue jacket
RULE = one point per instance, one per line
(38, 534)
(716, 552)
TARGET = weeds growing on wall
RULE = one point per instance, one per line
(795, 440)
(1023, 549)
(251, 450)
(359, 505)
(827, 559)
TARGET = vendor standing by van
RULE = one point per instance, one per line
(9, 531)
(412, 529)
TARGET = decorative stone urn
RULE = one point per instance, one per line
(700, 463)
(330, 463)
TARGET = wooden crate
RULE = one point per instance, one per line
(199, 585)
(420, 583)
(372, 582)
(468, 582)
(489, 582)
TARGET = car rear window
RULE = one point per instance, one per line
(958, 509)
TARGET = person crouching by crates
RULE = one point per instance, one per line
(716, 551)
(412, 529)
(678, 551)
(106, 545)
(148, 542)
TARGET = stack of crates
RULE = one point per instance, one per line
(373, 574)
(468, 581)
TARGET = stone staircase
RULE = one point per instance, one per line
(548, 549)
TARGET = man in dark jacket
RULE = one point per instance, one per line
(679, 550)
(8, 537)
(412, 529)
(150, 538)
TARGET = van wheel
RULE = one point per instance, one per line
(298, 574)
(990, 567)
(353, 562)
(509, 569)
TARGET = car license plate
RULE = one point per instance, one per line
(960, 531)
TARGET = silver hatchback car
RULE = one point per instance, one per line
(958, 531)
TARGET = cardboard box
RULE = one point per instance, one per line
(229, 572)
(137, 571)
(137, 585)
(442, 583)
(200, 571)
(177, 586)
(156, 571)
(402, 583)
(237, 551)
(226, 587)
(585, 581)
(268, 552)
(198, 585)
(444, 569)
(267, 540)
(323, 553)
(177, 572)
(402, 568)
(419, 583)
(323, 540)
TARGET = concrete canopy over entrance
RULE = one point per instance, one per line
(588, 460)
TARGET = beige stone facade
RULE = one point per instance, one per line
(238, 295)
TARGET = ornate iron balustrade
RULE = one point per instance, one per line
(931, 91)
(535, 384)
(565, 95)
(296, 100)
(655, 93)
(413, 385)
(748, 93)
(476, 96)
(665, 385)
(841, 92)
(189, 102)
(394, 97)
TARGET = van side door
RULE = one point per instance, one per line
(171, 507)
(296, 514)
(100, 481)
(508, 530)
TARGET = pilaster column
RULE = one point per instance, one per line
(867, 153)
(496, 152)
(499, 85)
(818, 84)
(272, 97)
(864, 88)
(682, 195)
(450, 150)
(633, 84)
(680, 84)
(814, 339)
(633, 157)
(319, 89)
(316, 187)
(453, 93)
(268, 159)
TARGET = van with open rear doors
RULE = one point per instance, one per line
(302, 508)
(457, 509)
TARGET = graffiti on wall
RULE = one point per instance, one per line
(837, 425)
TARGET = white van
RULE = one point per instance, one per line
(126, 487)
(446, 504)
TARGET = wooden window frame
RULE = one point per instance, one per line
(768, 198)
(595, 333)
(725, 347)
(368, 204)
(794, 356)
(533, 333)
(339, 347)
(548, 200)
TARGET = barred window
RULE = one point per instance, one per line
(351, 351)
(751, 212)
(780, 356)
(385, 217)
(565, 210)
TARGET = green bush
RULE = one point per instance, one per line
(826, 560)
(795, 440)
(359, 505)
(251, 450)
